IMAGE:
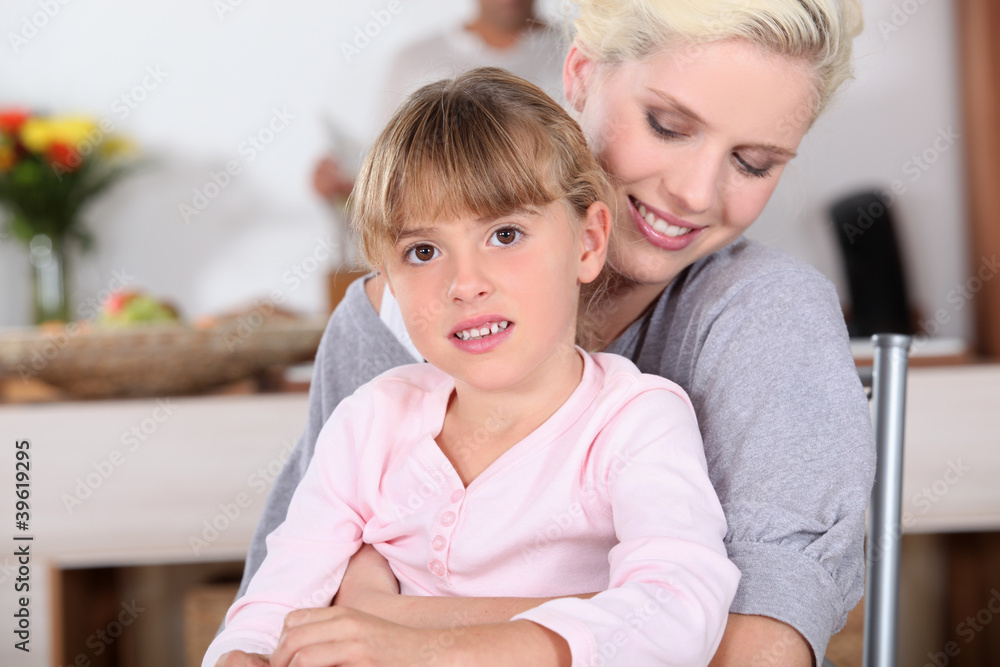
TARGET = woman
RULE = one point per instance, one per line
(694, 109)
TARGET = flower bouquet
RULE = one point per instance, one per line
(50, 168)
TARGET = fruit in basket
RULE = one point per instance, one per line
(130, 307)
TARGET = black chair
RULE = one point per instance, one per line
(879, 299)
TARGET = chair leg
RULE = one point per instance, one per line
(882, 581)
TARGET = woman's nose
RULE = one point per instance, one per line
(693, 184)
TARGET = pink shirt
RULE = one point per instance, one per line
(611, 493)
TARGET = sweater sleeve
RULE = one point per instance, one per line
(790, 448)
(671, 584)
(308, 553)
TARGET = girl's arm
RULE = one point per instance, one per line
(370, 586)
(345, 637)
(355, 348)
(671, 584)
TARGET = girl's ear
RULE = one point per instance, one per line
(577, 71)
(594, 241)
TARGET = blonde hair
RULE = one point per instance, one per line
(819, 32)
(485, 143)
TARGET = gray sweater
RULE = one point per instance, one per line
(758, 341)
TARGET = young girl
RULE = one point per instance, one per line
(513, 463)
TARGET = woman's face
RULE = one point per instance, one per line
(696, 139)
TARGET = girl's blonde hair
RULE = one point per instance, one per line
(485, 144)
(819, 32)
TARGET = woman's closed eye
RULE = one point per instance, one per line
(420, 253)
(659, 129)
(747, 168)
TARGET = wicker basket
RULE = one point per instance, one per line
(156, 359)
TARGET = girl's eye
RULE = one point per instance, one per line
(420, 254)
(655, 126)
(750, 170)
(505, 236)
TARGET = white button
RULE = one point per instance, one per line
(437, 569)
(458, 495)
(437, 543)
(447, 518)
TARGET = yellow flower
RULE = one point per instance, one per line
(117, 146)
(38, 134)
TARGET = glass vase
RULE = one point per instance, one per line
(48, 272)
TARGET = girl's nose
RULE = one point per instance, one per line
(693, 184)
(469, 281)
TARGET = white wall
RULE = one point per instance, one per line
(905, 94)
(223, 75)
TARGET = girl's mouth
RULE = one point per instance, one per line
(484, 331)
(660, 229)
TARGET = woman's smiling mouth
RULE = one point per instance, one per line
(662, 229)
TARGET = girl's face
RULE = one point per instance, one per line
(696, 139)
(492, 302)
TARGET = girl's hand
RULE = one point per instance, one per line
(241, 659)
(341, 637)
(367, 580)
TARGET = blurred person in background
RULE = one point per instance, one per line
(504, 33)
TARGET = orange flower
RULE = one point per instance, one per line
(61, 155)
(11, 120)
(7, 158)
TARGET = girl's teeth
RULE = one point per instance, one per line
(660, 225)
(476, 333)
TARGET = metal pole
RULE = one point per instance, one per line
(884, 528)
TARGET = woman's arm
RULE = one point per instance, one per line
(787, 431)
(762, 642)
(369, 586)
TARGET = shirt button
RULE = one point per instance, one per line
(455, 497)
(437, 543)
(447, 518)
(437, 569)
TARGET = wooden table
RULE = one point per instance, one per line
(190, 476)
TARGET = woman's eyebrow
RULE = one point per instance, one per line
(677, 105)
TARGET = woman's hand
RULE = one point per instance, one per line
(367, 582)
(337, 636)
